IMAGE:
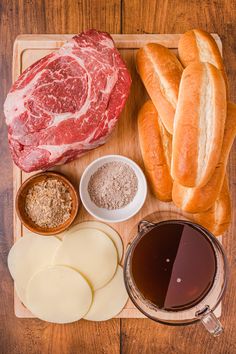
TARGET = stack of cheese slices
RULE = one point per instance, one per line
(73, 276)
(188, 127)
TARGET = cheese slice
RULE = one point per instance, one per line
(92, 253)
(27, 256)
(58, 294)
(108, 230)
(20, 292)
(109, 300)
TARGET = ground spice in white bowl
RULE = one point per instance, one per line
(113, 186)
(48, 203)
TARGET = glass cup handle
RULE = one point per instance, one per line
(210, 321)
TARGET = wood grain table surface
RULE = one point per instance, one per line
(133, 336)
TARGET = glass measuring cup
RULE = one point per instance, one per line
(200, 311)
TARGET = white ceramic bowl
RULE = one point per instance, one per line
(117, 215)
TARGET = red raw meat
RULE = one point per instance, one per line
(66, 103)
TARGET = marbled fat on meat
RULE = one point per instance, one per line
(66, 103)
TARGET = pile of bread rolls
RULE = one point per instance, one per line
(187, 128)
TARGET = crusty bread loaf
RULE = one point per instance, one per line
(198, 45)
(198, 124)
(197, 200)
(217, 219)
(155, 143)
(160, 71)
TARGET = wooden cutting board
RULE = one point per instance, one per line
(124, 140)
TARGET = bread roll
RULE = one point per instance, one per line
(217, 219)
(196, 200)
(155, 143)
(198, 125)
(160, 71)
(198, 45)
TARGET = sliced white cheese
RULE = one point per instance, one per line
(92, 253)
(27, 256)
(58, 294)
(109, 300)
(108, 230)
(20, 292)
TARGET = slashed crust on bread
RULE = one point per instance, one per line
(195, 200)
(198, 45)
(160, 71)
(198, 125)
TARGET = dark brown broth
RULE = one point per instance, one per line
(174, 266)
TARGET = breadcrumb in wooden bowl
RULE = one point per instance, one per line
(47, 203)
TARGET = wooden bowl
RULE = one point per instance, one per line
(20, 203)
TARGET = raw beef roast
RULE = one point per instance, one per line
(66, 103)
